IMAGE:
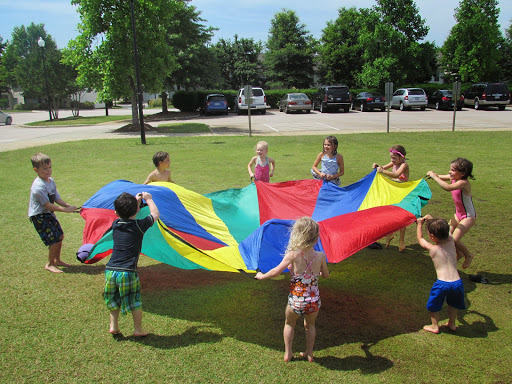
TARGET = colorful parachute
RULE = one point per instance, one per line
(247, 229)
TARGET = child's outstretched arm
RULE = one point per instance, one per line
(287, 260)
(401, 169)
(153, 209)
(61, 207)
(419, 232)
(440, 179)
(323, 268)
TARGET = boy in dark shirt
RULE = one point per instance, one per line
(122, 285)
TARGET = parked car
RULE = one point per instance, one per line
(258, 103)
(295, 102)
(215, 103)
(368, 101)
(483, 95)
(407, 98)
(443, 99)
(332, 98)
(5, 118)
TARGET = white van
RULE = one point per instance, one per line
(258, 103)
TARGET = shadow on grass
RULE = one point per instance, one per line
(85, 269)
(369, 364)
(191, 336)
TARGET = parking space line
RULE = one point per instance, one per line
(328, 126)
(268, 126)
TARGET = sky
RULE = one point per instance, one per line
(246, 18)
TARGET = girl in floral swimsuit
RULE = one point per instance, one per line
(305, 265)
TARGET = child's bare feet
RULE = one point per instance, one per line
(140, 334)
(52, 268)
(62, 264)
(431, 328)
(288, 358)
(388, 241)
(114, 331)
(467, 261)
(306, 356)
(452, 328)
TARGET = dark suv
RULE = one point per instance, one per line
(332, 98)
(483, 95)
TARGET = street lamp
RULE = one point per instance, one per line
(42, 43)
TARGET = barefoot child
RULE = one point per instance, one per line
(305, 265)
(162, 163)
(448, 285)
(332, 162)
(122, 285)
(400, 174)
(44, 201)
(465, 215)
(264, 166)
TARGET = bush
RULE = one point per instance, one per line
(25, 107)
(155, 103)
(4, 103)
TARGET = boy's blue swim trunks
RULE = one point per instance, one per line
(453, 292)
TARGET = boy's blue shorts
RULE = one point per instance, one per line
(48, 227)
(453, 292)
(122, 291)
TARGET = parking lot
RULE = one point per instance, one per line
(272, 123)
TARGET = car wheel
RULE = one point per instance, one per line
(477, 104)
(263, 111)
(438, 107)
(362, 108)
(459, 108)
(383, 109)
(322, 108)
(287, 111)
(402, 106)
(8, 121)
(238, 111)
(308, 110)
(280, 109)
(346, 109)
(501, 107)
(352, 107)
(422, 108)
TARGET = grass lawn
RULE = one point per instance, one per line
(211, 327)
(80, 120)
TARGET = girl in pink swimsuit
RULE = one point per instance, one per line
(400, 174)
(305, 265)
(465, 215)
(263, 166)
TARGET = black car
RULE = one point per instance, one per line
(483, 95)
(368, 101)
(332, 98)
(443, 99)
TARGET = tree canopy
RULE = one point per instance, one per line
(290, 48)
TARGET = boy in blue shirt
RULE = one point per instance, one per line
(44, 201)
(122, 284)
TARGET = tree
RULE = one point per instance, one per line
(22, 66)
(471, 49)
(390, 35)
(238, 62)
(340, 51)
(290, 49)
(505, 64)
(103, 51)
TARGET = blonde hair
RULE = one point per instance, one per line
(304, 234)
(263, 143)
(39, 159)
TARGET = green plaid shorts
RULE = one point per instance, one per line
(122, 291)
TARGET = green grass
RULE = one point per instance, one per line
(212, 327)
(80, 120)
(183, 128)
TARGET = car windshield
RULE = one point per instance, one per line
(496, 88)
(216, 98)
(298, 97)
(416, 92)
(337, 91)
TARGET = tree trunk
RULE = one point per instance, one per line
(133, 99)
(164, 102)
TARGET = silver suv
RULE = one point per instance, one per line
(258, 103)
(407, 98)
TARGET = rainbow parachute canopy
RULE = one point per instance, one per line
(247, 229)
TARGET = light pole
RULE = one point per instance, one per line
(42, 43)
